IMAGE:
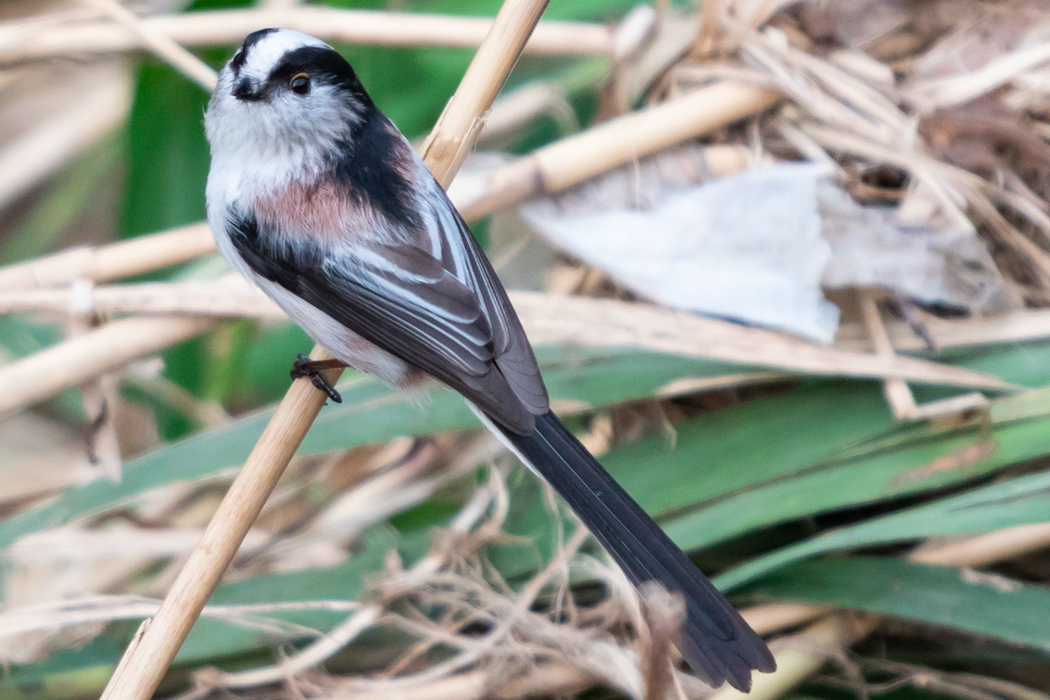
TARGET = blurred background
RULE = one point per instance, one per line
(787, 269)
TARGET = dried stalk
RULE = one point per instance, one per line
(802, 655)
(228, 28)
(108, 262)
(618, 141)
(1017, 327)
(663, 613)
(559, 165)
(145, 664)
(775, 617)
(460, 122)
(61, 613)
(548, 319)
(96, 352)
(897, 392)
(99, 397)
(232, 298)
(365, 617)
(611, 323)
(546, 679)
(161, 45)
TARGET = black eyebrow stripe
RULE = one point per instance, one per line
(255, 37)
(249, 41)
(318, 62)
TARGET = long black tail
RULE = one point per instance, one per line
(717, 643)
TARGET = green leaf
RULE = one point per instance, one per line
(67, 673)
(983, 604)
(1019, 501)
(902, 461)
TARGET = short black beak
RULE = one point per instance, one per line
(243, 90)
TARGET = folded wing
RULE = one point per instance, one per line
(432, 300)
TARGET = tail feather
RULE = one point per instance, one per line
(717, 643)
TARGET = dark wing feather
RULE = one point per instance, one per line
(447, 315)
(513, 353)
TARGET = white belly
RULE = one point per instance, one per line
(335, 337)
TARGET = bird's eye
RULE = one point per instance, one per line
(300, 83)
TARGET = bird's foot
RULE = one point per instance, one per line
(305, 367)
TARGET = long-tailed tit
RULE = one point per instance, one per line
(316, 197)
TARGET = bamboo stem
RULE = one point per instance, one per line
(147, 663)
(228, 27)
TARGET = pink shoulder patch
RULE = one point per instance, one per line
(317, 209)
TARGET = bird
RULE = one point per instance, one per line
(316, 197)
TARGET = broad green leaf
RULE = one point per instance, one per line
(978, 603)
(759, 443)
(1019, 501)
(903, 461)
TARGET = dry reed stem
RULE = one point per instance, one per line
(89, 609)
(548, 319)
(897, 392)
(72, 362)
(108, 262)
(618, 141)
(988, 548)
(24, 42)
(1016, 327)
(232, 298)
(802, 655)
(548, 678)
(460, 122)
(161, 45)
(147, 663)
(612, 323)
(775, 617)
(99, 397)
(942, 93)
(664, 613)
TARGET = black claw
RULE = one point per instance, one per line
(305, 367)
(300, 367)
(323, 384)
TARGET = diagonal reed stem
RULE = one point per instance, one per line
(151, 652)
